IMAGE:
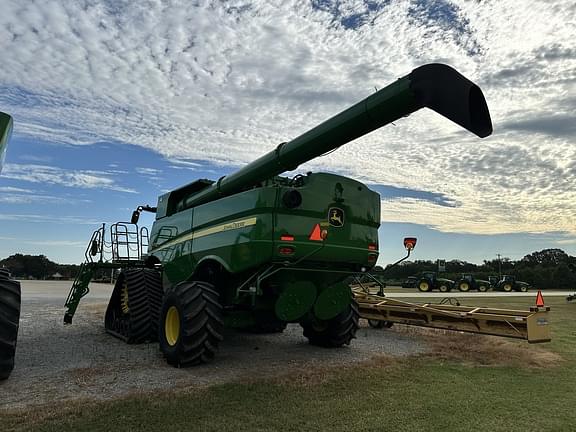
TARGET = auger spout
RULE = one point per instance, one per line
(435, 86)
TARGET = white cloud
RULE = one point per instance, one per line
(71, 178)
(227, 81)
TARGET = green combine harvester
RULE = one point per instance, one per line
(254, 250)
(9, 288)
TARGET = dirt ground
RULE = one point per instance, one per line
(57, 363)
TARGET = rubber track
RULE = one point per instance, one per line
(202, 323)
(340, 331)
(9, 322)
(144, 301)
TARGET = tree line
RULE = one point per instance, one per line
(548, 268)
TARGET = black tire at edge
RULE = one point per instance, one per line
(10, 301)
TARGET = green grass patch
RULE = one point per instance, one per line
(434, 392)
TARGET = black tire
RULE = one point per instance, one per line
(482, 288)
(10, 300)
(424, 285)
(336, 332)
(523, 288)
(134, 309)
(191, 324)
(378, 324)
(507, 287)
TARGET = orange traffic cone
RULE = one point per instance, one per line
(539, 299)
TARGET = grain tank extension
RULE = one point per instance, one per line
(254, 250)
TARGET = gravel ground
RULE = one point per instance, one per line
(56, 363)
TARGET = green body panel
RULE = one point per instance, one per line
(5, 133)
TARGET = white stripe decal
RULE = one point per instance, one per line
(208, 231)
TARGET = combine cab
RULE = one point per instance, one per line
(255, 250)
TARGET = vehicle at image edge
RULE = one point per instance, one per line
(429, 281)
(255, 251)
(10, 296)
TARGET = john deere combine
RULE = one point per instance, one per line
(254, 250)
(9, 288)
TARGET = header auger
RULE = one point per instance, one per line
(256, 251)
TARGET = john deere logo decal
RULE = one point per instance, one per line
(336, 217)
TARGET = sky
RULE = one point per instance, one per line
(115, 102)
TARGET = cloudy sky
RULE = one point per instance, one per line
(116, 101)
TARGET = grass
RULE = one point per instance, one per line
(465, 383)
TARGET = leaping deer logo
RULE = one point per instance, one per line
(336, 217)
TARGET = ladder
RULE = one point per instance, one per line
(125, 247)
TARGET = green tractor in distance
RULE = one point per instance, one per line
(9, 288)
(508, 283)
(430, 281)
(468, 282)
(254, 250)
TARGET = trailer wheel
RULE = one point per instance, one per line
(336, 332)
(378, 324)
(464, 286)
(424, 286)
(482, 288)
(444, 288)
(191, 324)
(10, 298)
(134, 309)
(507, 287)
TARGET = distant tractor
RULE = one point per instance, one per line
(468, 282)
(430, 280)
(508, 283)
(410, 282)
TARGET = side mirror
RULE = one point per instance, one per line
(409, 243)
(5, 133)
(135, 217)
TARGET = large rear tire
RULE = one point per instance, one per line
(336, 332)
(191, 324)
(10, 298)
(134, 309)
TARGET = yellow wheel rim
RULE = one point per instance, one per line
(464, 287)
(172, 326)
(423, 286)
